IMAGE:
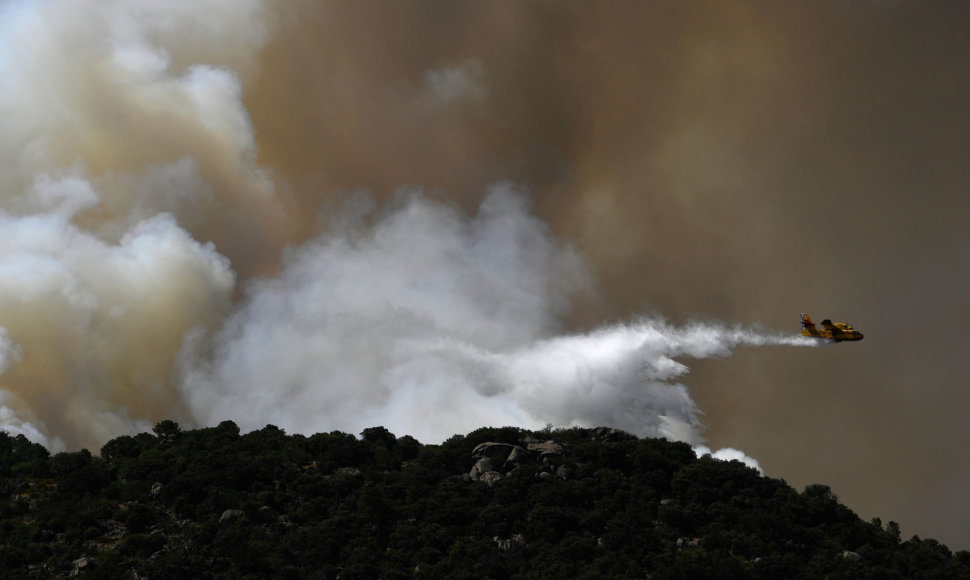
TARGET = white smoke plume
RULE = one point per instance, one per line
(431, 323)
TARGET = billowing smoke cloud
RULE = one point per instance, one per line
(131, 198)
(91, 328)
(123, 161)
(428, 322)
(144, 103)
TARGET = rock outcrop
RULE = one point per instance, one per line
(544, 448)
(487, 456)
(494, 460)
(230, 516)
(506, 544)
(851, 556)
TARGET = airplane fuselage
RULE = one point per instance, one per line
(837, 331)
(838, 335)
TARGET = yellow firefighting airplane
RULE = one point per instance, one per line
(837, 331)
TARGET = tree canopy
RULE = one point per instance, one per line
(495, 503)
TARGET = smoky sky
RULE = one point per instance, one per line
(191, 189)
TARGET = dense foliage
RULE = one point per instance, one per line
(212, 503)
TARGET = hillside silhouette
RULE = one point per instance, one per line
(495, 503)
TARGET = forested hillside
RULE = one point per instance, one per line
(496, 503)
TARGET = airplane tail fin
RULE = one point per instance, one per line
(806, 321)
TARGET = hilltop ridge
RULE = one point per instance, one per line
(495, 503)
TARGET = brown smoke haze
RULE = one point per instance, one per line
(206, 207)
